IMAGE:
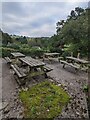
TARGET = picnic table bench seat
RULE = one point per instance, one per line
(18, 71)
(70, 64)
(8, 60)
(47, 69)
(44, 71)
(20, 74)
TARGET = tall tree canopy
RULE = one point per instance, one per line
(6, 38)
(74, 30)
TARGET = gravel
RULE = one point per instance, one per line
(67, 78)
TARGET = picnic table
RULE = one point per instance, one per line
(77, 60)
(15, 56)
(31, 62)
(51, 56)
(29, 68)
(83, 64)
(77, 63)
(34, 67)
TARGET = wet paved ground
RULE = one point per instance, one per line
(72, 82)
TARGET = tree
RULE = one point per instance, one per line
(59, 25)
(6, 38)
(21, 39)
(24, 40)
(75, 31)
(79, 11)
(73, 14)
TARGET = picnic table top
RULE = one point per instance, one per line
(31, 62)
(51, 54)
(78, 60)
(17, 54)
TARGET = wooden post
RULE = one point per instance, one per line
(71, 54)
(78, 56)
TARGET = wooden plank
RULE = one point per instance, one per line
(70, 64)
(35, 62)
(62, 61)
(32, 62)
(47, 69)
(8, 59)
(21, 72)
(18, 72)
(51, 54)
(26, 61)
(17, 54)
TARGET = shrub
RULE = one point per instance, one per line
(37, 52)
(64, 54)
(7, 51)
(14, 46)
(33, 52)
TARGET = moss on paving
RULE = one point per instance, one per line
(44, 100)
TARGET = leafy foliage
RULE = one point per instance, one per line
(6, 38)
(74, 31)
(7, 51)
(22, 40)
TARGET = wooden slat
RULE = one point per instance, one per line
(51, 54)
(47, 69)
(26, 61)
(17, 54)
(18, 72)
(21, 72)
(62, 61)
(70, 64)
(32, 62)
(8, 59)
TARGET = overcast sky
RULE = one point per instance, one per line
(35, 19)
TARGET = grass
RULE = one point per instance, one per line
(44, 100)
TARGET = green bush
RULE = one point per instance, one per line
(52, 49)
(7, 51)
(13, 46)
(25, 51)
(65, 54)
(33, 52)
(37, 52)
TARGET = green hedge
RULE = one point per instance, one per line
(14, 46)
(33, 52)
(7, 51)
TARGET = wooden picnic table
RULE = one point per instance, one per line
(51, 54)
(31, 62)
(33, 65)
(83, 64)
(28, 67)
(17, 54)
(78, 60)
